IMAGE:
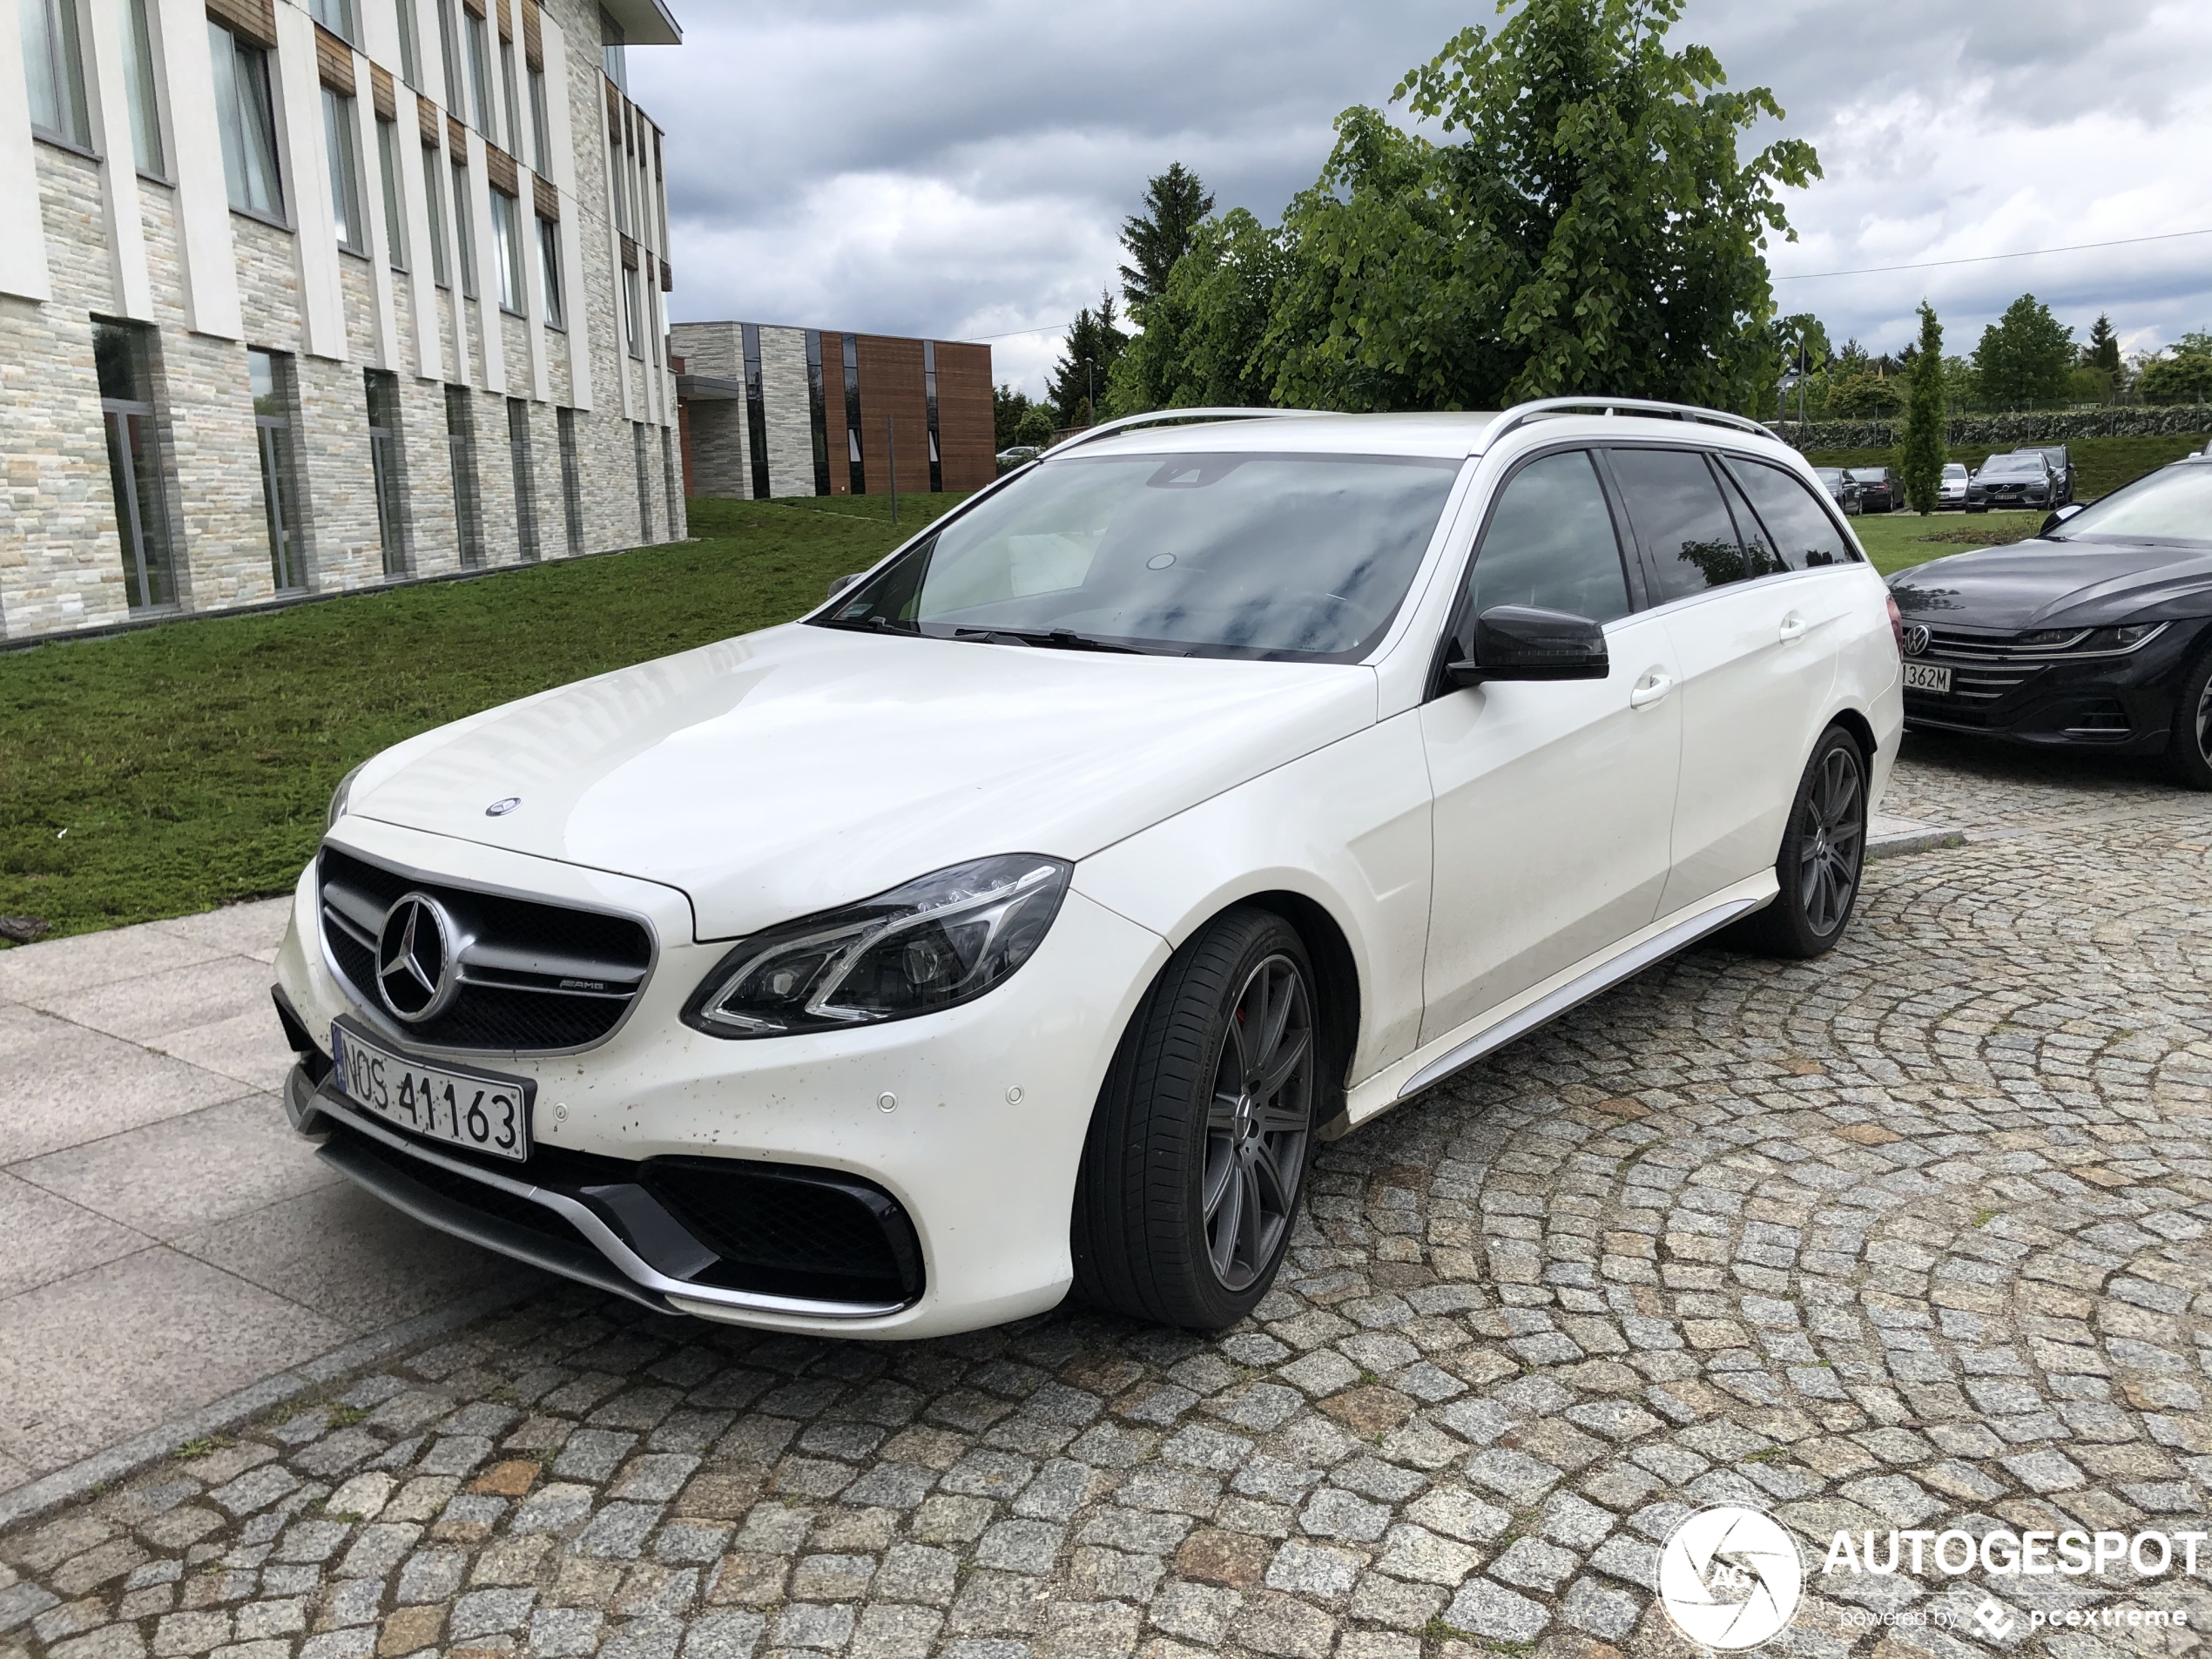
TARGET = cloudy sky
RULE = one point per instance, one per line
(961, 169)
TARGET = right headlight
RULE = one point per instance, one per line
(939, 940)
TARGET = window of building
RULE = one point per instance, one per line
(144, 87)
(336, 16)
(668, 480)
(388, 462)
(387, 165)
(755, 407)
(541, 131)
(246, 116)
(633, 312)
(269, 373)
(929, 400)
(53, 66)
(507, 84)
(816, 413)
(433, 192)
(644, 485)
(464, 228)
(138, 468)
(619, 169)
(571, 481)
(507, 249)
(518, 451)
(460, 447)
(613, 57)
(480, 84)
(548, 263)
(858, 473)
(410, 47)
(450, 50)
(339, 126)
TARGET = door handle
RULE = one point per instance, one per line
(1650, 689)
(1793, 626)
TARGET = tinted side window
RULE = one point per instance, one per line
(1551, 543)
(1804, 535)
(1759, 557)
(1677, 509)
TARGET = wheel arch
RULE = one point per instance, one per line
(1862, 732)
(1336, 971)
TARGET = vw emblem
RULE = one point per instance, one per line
(1916, 638)
(501, 808)
(415, 950)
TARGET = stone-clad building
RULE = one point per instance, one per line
(307, 296)
(773, 411)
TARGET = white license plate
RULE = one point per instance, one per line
(475, 1109)
(1927, 677)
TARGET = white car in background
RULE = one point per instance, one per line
(1018, 921)
(1950, 489)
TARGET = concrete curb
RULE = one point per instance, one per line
(50, 1492)
(1920, 838)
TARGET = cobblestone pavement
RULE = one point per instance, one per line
(1912, 1236)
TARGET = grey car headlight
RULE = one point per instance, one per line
(342, 797)
(937, 942)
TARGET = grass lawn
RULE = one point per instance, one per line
(2100, 465)
(168, 771)
(1898, 541)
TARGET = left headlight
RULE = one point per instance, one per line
(341, 797)
(937, 942)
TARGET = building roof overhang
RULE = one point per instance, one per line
(645, 23)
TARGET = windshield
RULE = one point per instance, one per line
(2173, 505)
(2030, 464)
(1956, 469)
(1829, 475)
(1301, 558)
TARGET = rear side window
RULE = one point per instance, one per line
(1805, 536)
(1675, 504)
(1551, 543)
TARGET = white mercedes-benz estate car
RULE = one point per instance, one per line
(1016, 923)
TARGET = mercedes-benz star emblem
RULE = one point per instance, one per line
(1916, 638)
(414, 958)
(501, 808)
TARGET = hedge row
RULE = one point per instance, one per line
(2055, 426)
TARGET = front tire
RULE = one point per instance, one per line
(1822, 856)
(1198, 1152)
(2188, 750)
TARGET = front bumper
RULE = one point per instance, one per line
(2123, 705)
(969, 1121)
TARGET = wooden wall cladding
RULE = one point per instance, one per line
(891, 388)
(380, 86)
(549, 199)
(334, 62)
(966, 438)
(255, 19)
(533, 35)
(499, 167)
(425, 116)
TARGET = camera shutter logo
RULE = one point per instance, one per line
(1730, 1577)
(416, 974)
(1916, 638)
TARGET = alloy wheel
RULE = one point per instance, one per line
(1831, 834)
(1258, 1123)
(2204, 722)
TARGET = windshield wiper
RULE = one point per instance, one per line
(1051, 639)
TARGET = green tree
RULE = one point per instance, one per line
(2184, 378)
(1801, 345)
(2024, 356)
(1175, 206)
(1204, 331)
(2101, 350)
(1921, 464)
(1007, 408)
(2088, 383)
(1858, 396)
(1086, 365)
(1036, 428)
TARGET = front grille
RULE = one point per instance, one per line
(790, 1232)
(533, 975)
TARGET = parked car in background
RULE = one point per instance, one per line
(1013, 456)
(2096, 633)
(2061, 459)
(1840, 487)
(1880, 490)
(1952, 490)
(1020, 920)
(2021, 479)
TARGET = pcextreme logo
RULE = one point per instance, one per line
(1731, 1578)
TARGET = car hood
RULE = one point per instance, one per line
(790, 771)
(2031, 584)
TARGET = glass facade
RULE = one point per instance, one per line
(456, 93)
(858, 473)
(507, 249)
(507, 84)
(143, 88)
(464, 229)
(53, 67)
(247, 118)
(633, 319)
(613, 59)
(337, 16)
(269, 375)
(339, 128)
(410, 47)
(518, 452)
(481, 95)
(461, 448)
(644, 485)
(756, 410)
(137, 470)
(541, 131)
(548, 264)
(388, 167)
(817, 414)
(571, 481)
(433, 192)
(929, 396)
(388, 462)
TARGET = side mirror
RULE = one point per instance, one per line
(840, 583)
(2061, 517)
(1524, 642)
